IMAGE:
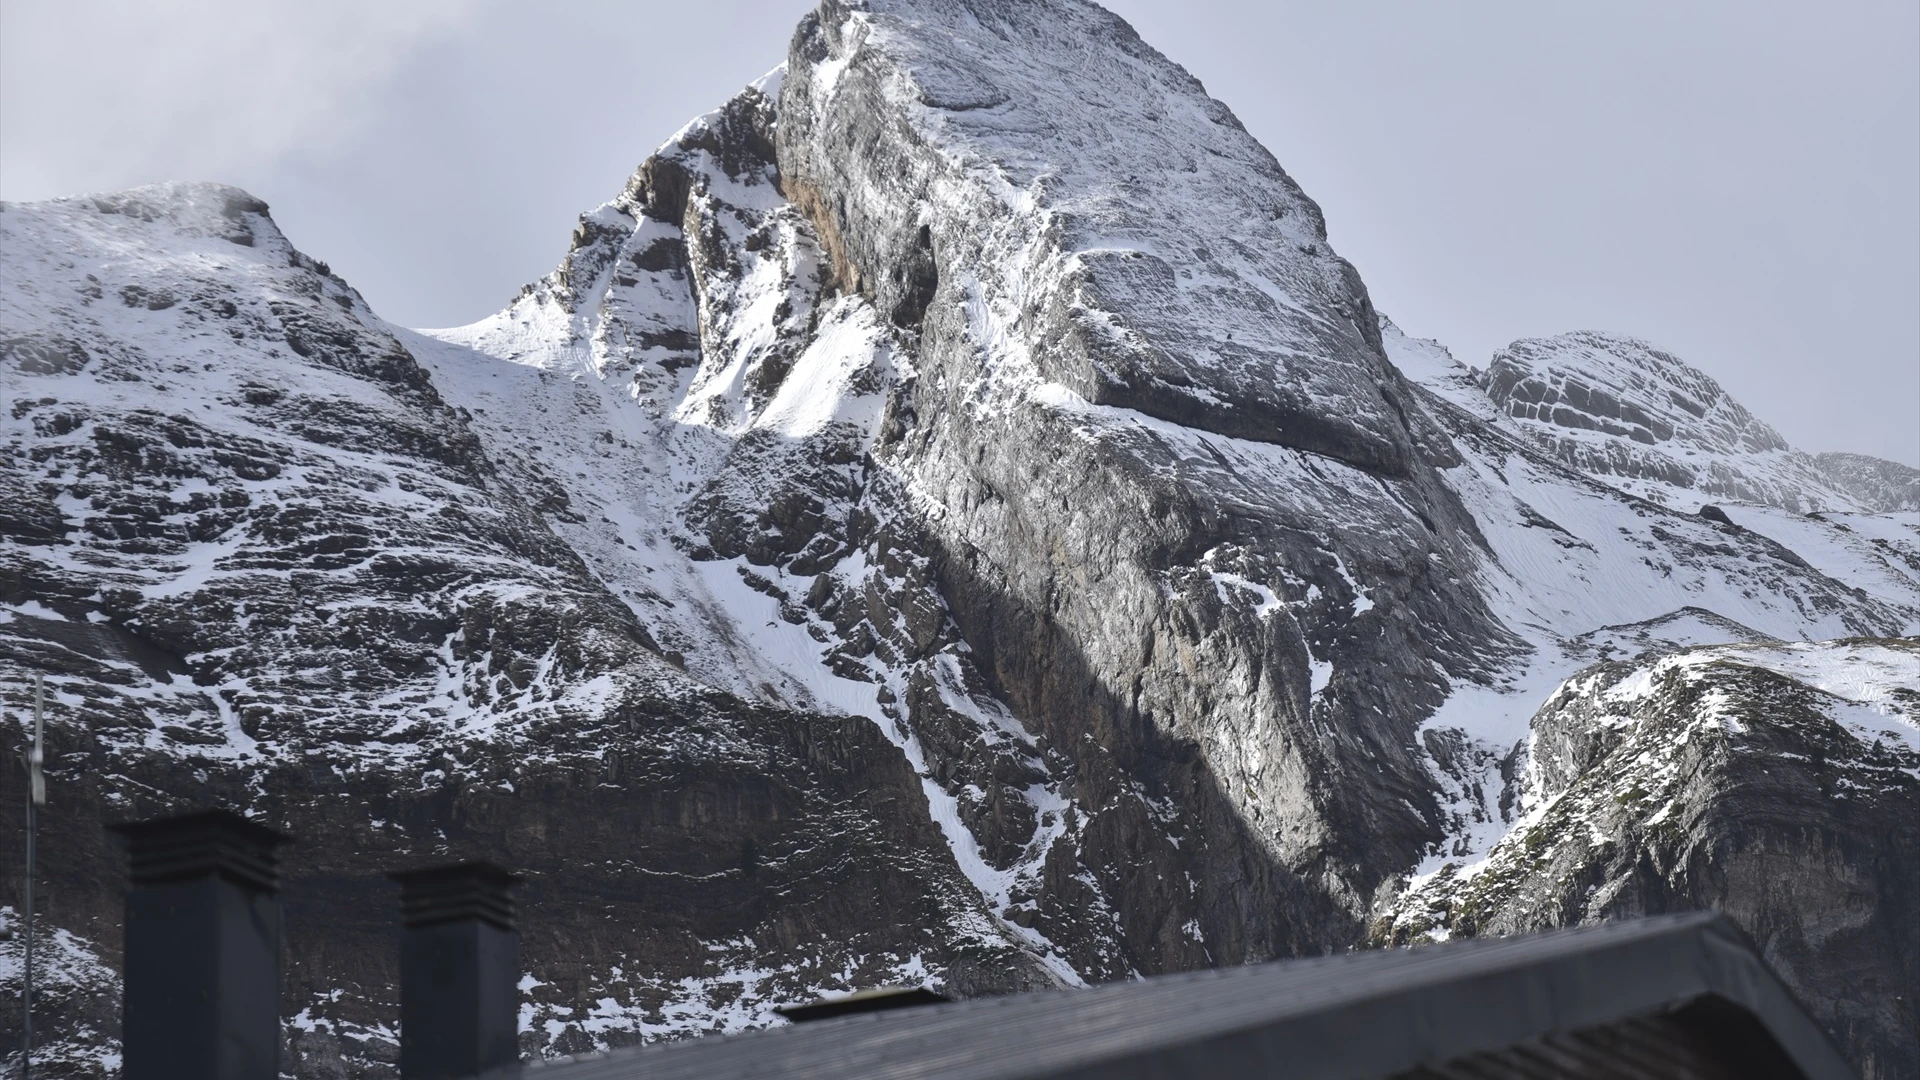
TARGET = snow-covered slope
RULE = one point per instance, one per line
(950, 516)
(202, 415)
(1588, 573)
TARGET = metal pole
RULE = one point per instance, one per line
(36, 797)
(26, 1024)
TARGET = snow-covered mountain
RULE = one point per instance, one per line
(262, 561)
(1622, 410)
(951, 517)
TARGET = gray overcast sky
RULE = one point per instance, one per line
(1738, 180)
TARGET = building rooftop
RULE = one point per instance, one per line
(1661, 988)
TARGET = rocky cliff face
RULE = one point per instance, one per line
(1155, 590)
(950, 517)
(1778, 782)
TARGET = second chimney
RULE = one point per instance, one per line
(459, 972)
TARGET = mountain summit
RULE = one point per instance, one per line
(949, 518)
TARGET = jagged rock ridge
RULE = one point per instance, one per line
(914, 533)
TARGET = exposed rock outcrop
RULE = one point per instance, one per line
(1779, 783)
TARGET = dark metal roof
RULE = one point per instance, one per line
(1367, 1014)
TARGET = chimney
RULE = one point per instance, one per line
(202, 987)
(459, 972)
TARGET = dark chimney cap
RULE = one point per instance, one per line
(444, 894)
(201, 844)
(880, 999)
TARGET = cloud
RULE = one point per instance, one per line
(108, 93)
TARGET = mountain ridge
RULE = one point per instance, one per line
(1622, 409)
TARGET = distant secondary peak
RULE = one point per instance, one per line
(1614, 385)
(1640, 418)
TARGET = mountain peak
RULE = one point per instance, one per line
(1079, 182)
(950, 519)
